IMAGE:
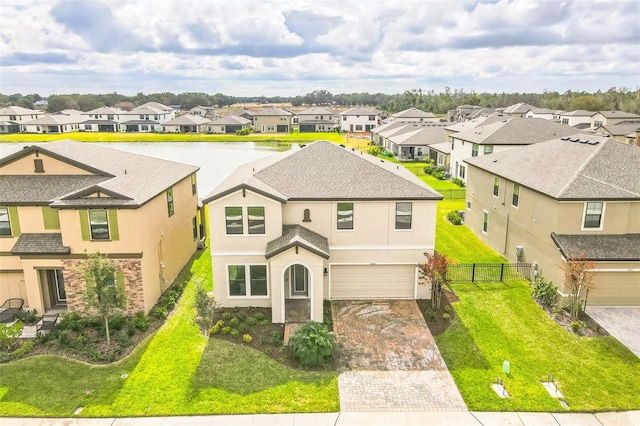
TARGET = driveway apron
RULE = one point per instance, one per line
(622, 322)
(389, 359)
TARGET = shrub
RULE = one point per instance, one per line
(374, 150)
(215, 329)
(226, 315)
(544, 292)
(159, 312)
(116, 322)
(27, 316)
(23, 350)
(312, 344)
(9, 334)
(247, 338)
(233, 322)
(446, 316)
(220, 323)
(268, 351)
(205, 306)
(259, 315)
(243, 328)
(243, 132)
(226, 330)
(430, 314)
(575, 326)
(264, 322)
(235, 333)
(251, 321)
(454, 217)
(458, 182)
(438, 175)
(140, 321)
(277, 338)
(448, 308)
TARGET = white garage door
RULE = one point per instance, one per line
(372, 281)
(615, 289)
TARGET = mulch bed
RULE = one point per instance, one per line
(588, 327)
(436, 324)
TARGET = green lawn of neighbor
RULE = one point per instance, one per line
(171, 137)
(175, 373)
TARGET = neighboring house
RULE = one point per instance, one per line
(633, 138)
(53, 124)
(442, 153)
(411, 115)
(141, 126)
(480, 112)
(229, 124)
(12, 117)
(452, 129)
(544, 113)
(518, 110)
(99, 126)
(187, 123)
(319, 223)
(576, 118)
(62, 199)
(150, 112)
(242, 113)
(412, 141)
(272, 120)
(204, 111)
(107, 113)
(316, 119)
(68, 111)
(500, 136)
(558, 199)
(359, 119)
(607, 118)
(619, 130)
(463, 112)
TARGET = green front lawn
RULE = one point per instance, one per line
(176, 373)
(171, 137)
(500, 321)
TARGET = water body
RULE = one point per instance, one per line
(216, 160)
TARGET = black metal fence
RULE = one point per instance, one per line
(453, 194)
(486, 272)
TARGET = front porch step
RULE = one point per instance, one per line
(289, 330)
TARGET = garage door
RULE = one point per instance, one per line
(372, 281)
(615, 289)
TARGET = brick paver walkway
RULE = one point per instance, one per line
(389, 359)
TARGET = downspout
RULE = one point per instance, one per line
(506, 236)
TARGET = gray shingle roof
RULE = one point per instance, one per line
(40, 243)
(361, 111)
(515, 131)
(413, 113)
(476, 122)
(421, 135)
(298, 236)
(43, 189)
(325, 171)
(619, 114)
(272, 111)
(570, 170)
(519, 108)
(316, 111)
(231, 120)
(134, 178)
(622, 128)
(188, 120)
(578, 113)
(625, 247)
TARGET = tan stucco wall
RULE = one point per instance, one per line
(52, 166)
(274, 120)
(12, 285)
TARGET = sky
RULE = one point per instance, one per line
(293, 47)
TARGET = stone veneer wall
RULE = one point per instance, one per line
(74, 284)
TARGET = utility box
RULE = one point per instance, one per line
(506, 367)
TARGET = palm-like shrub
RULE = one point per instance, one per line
(312, 344)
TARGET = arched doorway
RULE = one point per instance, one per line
(297, 281)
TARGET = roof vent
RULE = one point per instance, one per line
(574, 139)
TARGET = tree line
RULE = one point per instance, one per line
(614, 99)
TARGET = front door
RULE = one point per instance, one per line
(55, 284)
(298, 277)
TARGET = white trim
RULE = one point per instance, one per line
(292, 291)
(602, 215)
(245, 220)
(240, 190)
(247, 277)
(310, 289)
(382, 247)
(415, 284)
(483, 213)
(237, 253)
(614, 270)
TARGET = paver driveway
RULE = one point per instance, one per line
(389, 359)
(622, 322)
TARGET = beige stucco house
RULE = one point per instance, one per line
(187, 123)
(550, 201)
(315, 223)
(272, 120)
(62, 199)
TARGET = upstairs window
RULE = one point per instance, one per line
(597, 124)
(488, 149)
(233, 217)
(403, 215)
(515, 199)
(474, 150)
(170, 206)
(256, 220)
(345, 216)
(496, 186)
(98, 224)
(5, 225)
(194, 186)
(485, 221)
(593, 215)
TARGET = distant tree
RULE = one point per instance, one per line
(125, 105)
(587, 102)
(579, 278)
(59, 102)
(102, 292)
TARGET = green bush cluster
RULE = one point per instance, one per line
(458, 182)
(544, 292)
(374, 150)
(312, 344)
(27, 316)
(243, 132)
(435, 171)
(168, 300)
(454, 217)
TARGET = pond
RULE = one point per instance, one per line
(216, 160)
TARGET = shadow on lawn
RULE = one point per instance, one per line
(459, 349)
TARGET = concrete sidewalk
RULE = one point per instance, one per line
(623, 418)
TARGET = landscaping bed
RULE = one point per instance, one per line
(434, 317)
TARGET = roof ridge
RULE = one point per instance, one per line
(579, 171)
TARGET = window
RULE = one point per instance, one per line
(453, 143)
(194, 225)
(485, 221)
(87, 127)
(257, 280)
(345, 215)
(403, 215)
(98, 224)
(565, 121)
(372, 118)
(597, 124)
(5, 225)
(344, 118)
(256, 220)
(170, 207)
(358, 127)
(515, 200)
(462, 172)
(488, 149)
(12, 117)
(306, 216)
(496, 186)
(474, 150)
(194, 186)
(233, 217)
(593, 215)
(468, 205)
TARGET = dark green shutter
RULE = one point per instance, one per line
(15, 222)
(120, 280)
(113, 225)
(84, 225)
(50, 218)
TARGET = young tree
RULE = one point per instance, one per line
(205, 306)
(102, 293)
(579, 278)
(434, 270)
